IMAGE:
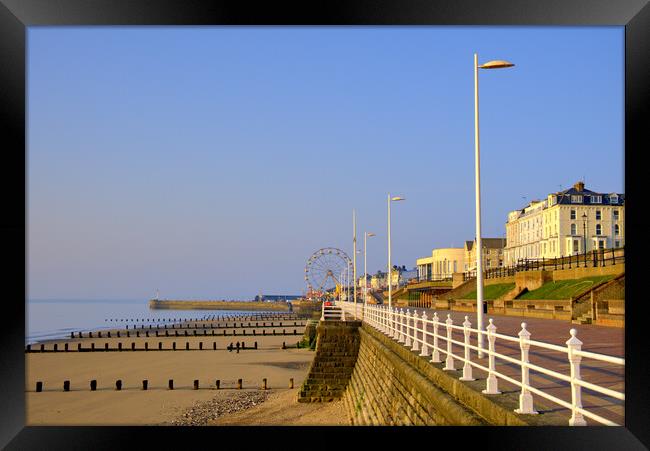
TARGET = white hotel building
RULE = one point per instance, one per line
(564, 224)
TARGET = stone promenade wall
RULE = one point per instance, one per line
(391, 385)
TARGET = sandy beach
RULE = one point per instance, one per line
(158, 404)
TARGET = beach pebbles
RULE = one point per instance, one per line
(201, 413)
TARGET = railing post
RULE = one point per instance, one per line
(392, 323)
(425, 347)
(322, 314)
(492, 385)
(467, 368)
(525, 398)
(407, 322)
(400, 338)
(435, 354)
(416, 345)
(449, 361)
(573, 344)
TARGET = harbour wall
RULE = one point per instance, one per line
(218, 305)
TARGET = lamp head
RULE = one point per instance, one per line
(496, 64)
(396, 198)
(370, 234)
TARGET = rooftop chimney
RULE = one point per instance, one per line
(580, 186)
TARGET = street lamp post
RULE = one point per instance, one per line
(390, 281)
(584, 236)
(479, 243)
(354, 258)
(365, 271)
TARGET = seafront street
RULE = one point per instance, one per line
(596, 339)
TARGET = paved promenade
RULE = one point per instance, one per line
(597, 339)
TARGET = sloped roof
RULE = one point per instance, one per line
(490, 243)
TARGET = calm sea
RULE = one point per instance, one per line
(46, 320)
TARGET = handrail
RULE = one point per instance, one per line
(421, 332)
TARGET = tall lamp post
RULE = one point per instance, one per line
(584, 236)
(479, 244)
(354, 258)
(365, 271)
(390, 273)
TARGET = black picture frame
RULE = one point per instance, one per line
(16, 15)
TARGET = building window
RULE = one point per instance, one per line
(573, 214)
(601, 244)
(617, 231)
(576, 243)
(617, 244)
(596, 199)
(597, 215)
(573, 229)
(598, 229)
(615, 215)
(575, 199)
(613, 199)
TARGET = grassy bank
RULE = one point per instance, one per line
(563, 289)
(492, 291)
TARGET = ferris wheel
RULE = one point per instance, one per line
(325, 268)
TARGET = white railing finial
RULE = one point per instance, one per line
(573, 344)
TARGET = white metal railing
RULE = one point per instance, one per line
(421, 333)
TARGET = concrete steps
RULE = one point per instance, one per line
(336, 354)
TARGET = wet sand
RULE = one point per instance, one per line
(158, 404)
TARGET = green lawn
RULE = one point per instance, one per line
(563, 289)
(492, 291)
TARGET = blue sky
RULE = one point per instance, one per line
(211, 162)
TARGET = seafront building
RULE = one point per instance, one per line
(492, 253)
(442, 263)
(565, 223)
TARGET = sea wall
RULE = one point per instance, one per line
(392, 385)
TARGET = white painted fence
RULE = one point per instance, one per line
(424, 334)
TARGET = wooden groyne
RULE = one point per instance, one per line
(218, 305)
